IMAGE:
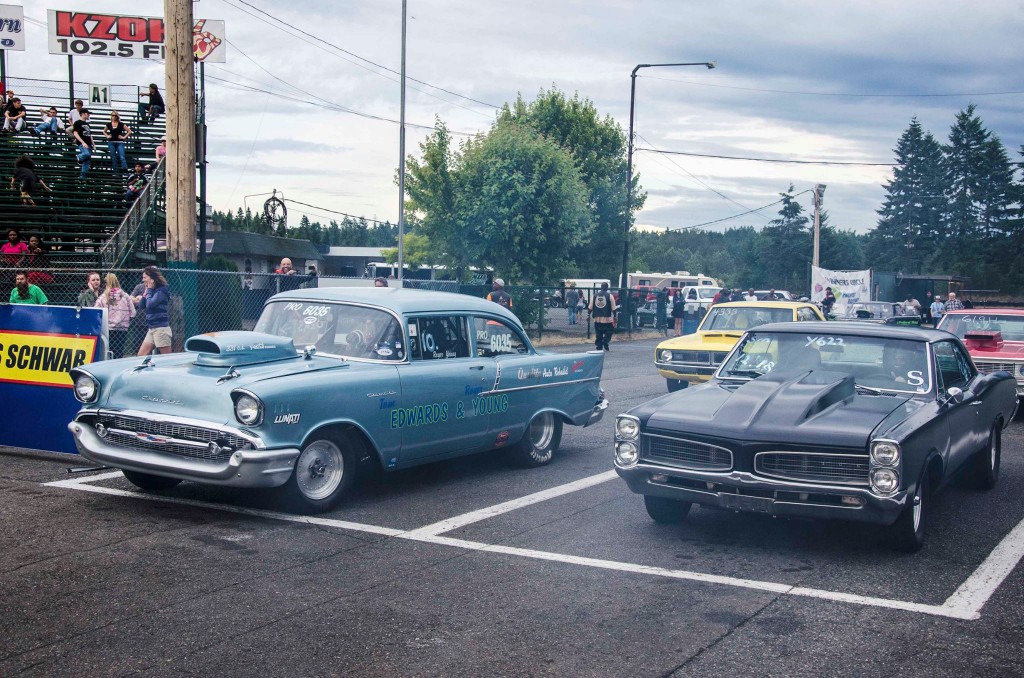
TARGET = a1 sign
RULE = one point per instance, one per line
(99, 95)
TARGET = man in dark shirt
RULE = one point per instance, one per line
(498, 295)
(148, 112)
(136, 182)
(14, 116)
(83, 136)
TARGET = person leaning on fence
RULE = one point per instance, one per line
(25, 292)
(602, 310)
(155, 303)
(120, 311)
(149, 112)
(87, 297)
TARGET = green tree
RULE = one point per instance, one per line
(786, 245)
(416, 252)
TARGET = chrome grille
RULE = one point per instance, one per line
(179, 439)
(843, 469)
(987, 367)
(686, 453)
(718, 356)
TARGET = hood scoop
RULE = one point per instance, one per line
(791, 396)
(234, 349)
(991, 339)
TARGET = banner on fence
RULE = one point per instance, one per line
(848, 286)
(12, 27)
(127, 37)
(39, 345)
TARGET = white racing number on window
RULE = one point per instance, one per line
(429, 343)
(316, 311)
(915, 378)
(824, 341)
(501, 343)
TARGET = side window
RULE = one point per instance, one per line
(438, 338)
(963, 361)
(951, 366)
(805, 314)
(494, 337)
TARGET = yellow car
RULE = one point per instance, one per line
(693, 358)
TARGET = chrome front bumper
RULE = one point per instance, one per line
(763, 494)
(245, 468)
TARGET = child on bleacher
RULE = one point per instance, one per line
(75, 114)
(136, 182)
(50, 122)
(25, 175)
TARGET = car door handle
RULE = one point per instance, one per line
(975, 403)
(477, 367)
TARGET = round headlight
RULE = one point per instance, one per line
(885, 453)
(85, 388)
(626, 454)
(666, 356)
(627, 427)
(1022, 370)
(248, 410)
(885, 480)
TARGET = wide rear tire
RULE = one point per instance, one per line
(666, 511)
(149, 482)
(540, 441)
(324, 473)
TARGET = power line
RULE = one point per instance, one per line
(778, 160)
(344, 214)
(361, 58)
(832, 94)
(735, 216)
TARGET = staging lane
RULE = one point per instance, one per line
(443, 607)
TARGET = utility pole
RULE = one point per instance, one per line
(819, 191)
(401, 163)
(180, 96)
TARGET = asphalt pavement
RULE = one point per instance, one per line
(473, 567)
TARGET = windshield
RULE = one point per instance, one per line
(335, 329)
(875, 362)
(741, 318)
(708, 292)
(1010, 326)
(876, 310)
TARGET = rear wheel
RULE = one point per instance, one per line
(986, 461)
(324, 473)
(908, 532)
(666, 511)
(676, 385)
(149, 482)
(540, 441)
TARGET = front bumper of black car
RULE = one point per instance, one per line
(743, 491)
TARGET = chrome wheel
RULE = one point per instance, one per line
(319, 470)
(917, 509)
(542, 430)
(993, 451)
(540, 440)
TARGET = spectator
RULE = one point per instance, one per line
(602, 310)
(750, 296)
(120, 311)
(87, 297)
(136, 182)
(149, 112)
(285, 268)
(15, 116)
(35, 260)
(936, 309)
(116, 133)
(721, 296)
(155, 302)
(50, 121)
(912, 306)
(15, 248)
(829, 301)
(953, 304)
(678, 311)
(660, 310)
(498, 294)
(572, 300)
(737, 295)
(380, 282)
(771, 296)
(26, 178)
(161, 150)
(75, 114)
(25, 292)
(4, 98)
(83, 135)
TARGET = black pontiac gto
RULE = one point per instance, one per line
(822, 419)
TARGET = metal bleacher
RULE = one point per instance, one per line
(82, 222)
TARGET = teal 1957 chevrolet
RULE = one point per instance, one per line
(329, 380)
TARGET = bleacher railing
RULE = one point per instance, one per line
(115, 251)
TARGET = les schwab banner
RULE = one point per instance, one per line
(39, 345)
(127, 36)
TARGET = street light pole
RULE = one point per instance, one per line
(624, 280)
(819, 191)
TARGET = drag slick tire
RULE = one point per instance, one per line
(540, 441)
(324, 473)
(666, 511)
(908, 533)
(148, 482)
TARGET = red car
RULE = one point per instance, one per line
(994, 337)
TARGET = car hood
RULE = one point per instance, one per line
(804, 408)
(717, 340)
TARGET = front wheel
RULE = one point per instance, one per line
(324, 473)
(908, 532)
(666, 511)
(986, 461)
(149, 482)
(540, 441)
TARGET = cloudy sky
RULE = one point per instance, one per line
(809, 81)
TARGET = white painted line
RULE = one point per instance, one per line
(79, 479)
(983, 582)
(496, 510)
(273, 515)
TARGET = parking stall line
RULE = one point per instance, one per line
(450, 524)
(983, 582)
(78, 480)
